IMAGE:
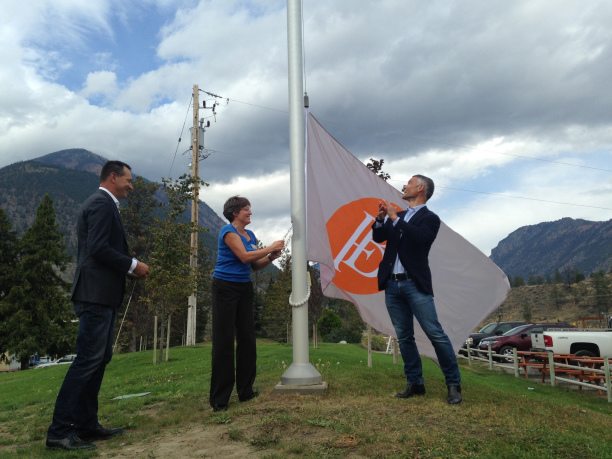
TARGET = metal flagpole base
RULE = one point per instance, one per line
(301, 378)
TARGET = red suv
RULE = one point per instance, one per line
(518, 337)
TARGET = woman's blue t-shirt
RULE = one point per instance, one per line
(228, 266)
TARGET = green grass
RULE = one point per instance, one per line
(501, 417)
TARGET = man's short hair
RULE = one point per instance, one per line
(429, 185)
(233, 205)
(110, 167)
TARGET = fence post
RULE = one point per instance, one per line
(469, 353)
(551, 364)
(155, 341)
(516, 363)
(490, 358)
(369, 346)
(607, 374)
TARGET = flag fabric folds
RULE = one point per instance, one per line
(342, 197)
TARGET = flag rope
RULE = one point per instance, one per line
(297, 304)
(292, 303)
(124, 314)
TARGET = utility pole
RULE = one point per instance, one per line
(193, 255)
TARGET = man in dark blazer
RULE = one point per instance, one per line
(103, 261)
(405, 277)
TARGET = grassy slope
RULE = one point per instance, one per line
(500, 417)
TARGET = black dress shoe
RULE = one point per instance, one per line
(411, 390)
(71, 442)
(217, 408)
(250, 397)
(100, 433)
(454, 394)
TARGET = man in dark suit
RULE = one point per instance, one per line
(405, 277)
(103, 261)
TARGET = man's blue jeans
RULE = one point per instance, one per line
(404, 303)
(76, 407)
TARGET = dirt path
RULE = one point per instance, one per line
(196, 442)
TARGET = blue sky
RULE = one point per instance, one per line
(486, 97)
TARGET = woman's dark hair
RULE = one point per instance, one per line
(233, 205)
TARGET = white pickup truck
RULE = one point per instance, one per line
(582, 342)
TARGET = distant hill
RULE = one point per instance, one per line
(575, 303)
(69, 177)
(566, 244)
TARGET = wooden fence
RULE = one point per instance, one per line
(589, 372)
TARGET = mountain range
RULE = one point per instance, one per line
(70, 176)
(564, 245)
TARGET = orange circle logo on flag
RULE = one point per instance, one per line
(356, 256)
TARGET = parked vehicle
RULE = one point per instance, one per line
(67, 359)
(580, 342)
(36, 360)
(518, 338)
(491, 329)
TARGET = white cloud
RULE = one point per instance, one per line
(455, 91)
(102, 83)
(543, 193)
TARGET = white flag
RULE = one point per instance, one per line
(342, 202)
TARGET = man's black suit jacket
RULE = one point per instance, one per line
(412, 241)
(103, 259)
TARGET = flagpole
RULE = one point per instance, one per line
(301, 372)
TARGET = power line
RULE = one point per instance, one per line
(228, 99)
(462, 147)
(180, 136)
(525, 198)
(555, 162)
(256, 105)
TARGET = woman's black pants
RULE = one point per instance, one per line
(232, 319)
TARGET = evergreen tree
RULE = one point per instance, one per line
(276, 313)
(137, 216)
(517, 281)
(602, 291)
(204, 307)
(527, 312)
(8, 254)
(36, 311)
(316, 299)
(375, 166)
(8, 260)
(555, 297)
(352, 327)
(171, 280)
(329, 325)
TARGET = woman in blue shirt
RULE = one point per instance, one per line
(232, 304)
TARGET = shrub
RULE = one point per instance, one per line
(379, 342)
(330, 326)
